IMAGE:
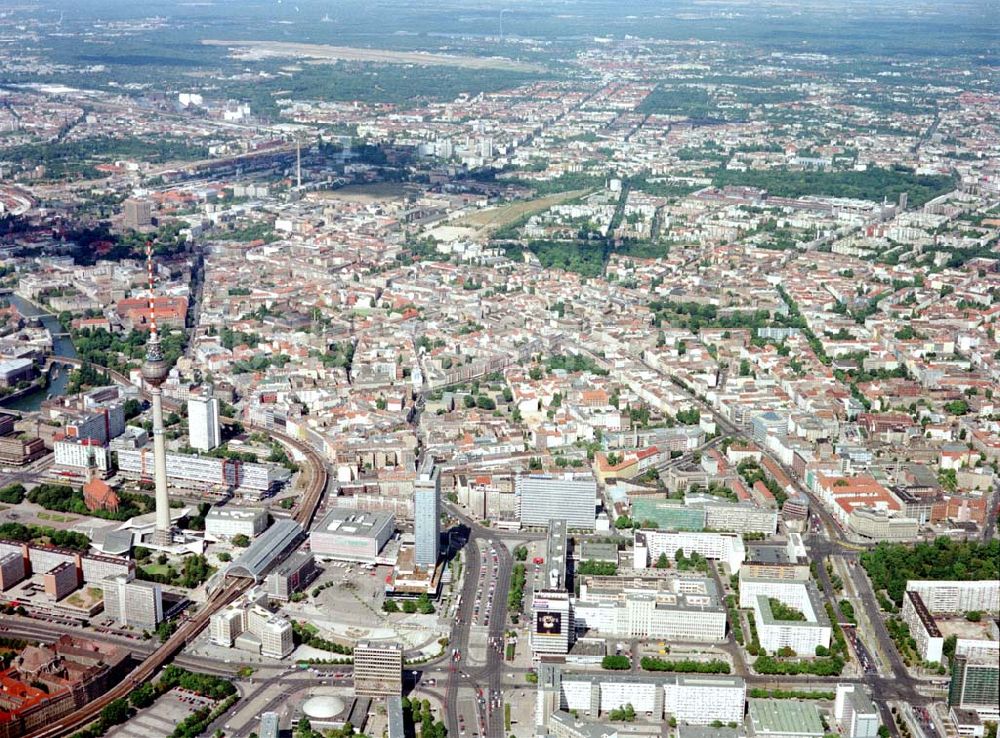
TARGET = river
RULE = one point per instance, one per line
(61, 346)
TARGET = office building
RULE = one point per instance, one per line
(739, 517)
(349, 535)
(204, 431)
(291, 576)
(249, 626)
(978, 649)
(427, 515)
(855, 712)
(61, 580)
(273, 632)
(552, 624)
(269, 725)
(98, 424)
(659, 608)
(974, 686)
(951, 597)
(378, 669)
(13, 371)
(227, 624)
(18, 450)
(138, 213)
(769, 423)
(882, 525)
(771, 718)
(541, 498)
(133, 603)
(924, 630)
(229, 521)
(650, 544)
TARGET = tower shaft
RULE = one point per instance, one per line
(162, 534)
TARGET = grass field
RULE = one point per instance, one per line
(494, 218)
(154, 569)
(55, 517)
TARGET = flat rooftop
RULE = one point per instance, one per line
(348, 522)
(790, 717)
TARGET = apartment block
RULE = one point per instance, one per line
(948, 597)
(924, 630)
(649, 545)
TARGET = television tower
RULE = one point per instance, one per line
(298, 164)
(154, 372)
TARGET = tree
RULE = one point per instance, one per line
(626, 713)
(662, 562)
(390, 606)
(956, 407)
(424, 604)
(241, 540)
(165, 629)
(115, 712)
(143, 696)
(616, 663)
(12, 494)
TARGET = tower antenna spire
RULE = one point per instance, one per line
(154, 334)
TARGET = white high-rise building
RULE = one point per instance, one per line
(227, 624)
(203, 423)
(133, 603)
(855, 713)
(273, 631)
(427, 515)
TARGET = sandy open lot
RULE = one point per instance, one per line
(491, 219)
(277, 49)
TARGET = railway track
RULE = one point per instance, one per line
(233, 587)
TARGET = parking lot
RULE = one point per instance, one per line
(162, 716)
